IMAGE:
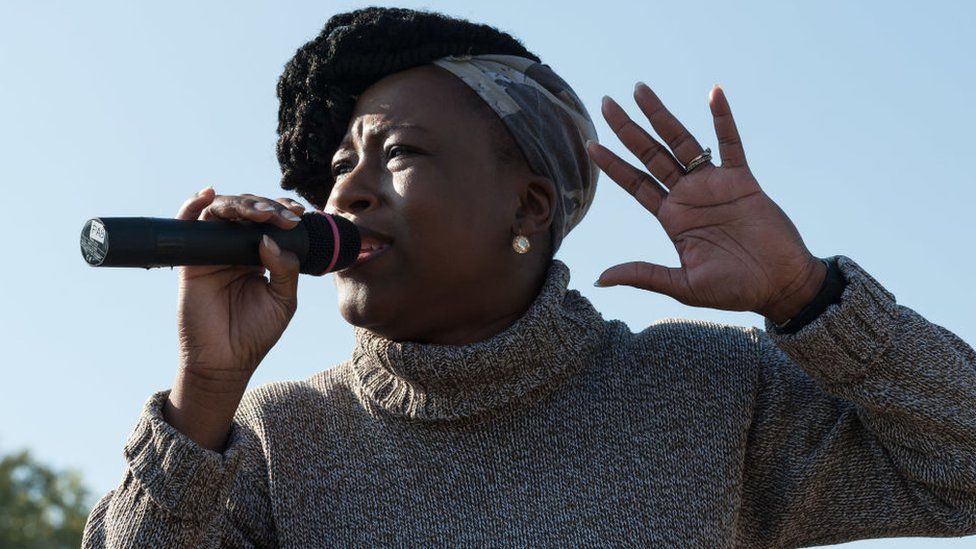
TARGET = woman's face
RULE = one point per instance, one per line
(417, 172)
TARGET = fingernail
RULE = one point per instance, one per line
(263, 207)
(638, 85)
(271, 245)
(203, 191)
(598, 284)
(287, 214)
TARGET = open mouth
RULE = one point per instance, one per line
(369, 250)
(373, 244)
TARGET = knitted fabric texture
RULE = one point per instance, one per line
(570, 430)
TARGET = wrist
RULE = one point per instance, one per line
(203, 412)
(810, 285)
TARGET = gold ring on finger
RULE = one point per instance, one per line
(704, 157)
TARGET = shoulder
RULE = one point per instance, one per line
(703, 354)
(689, 341)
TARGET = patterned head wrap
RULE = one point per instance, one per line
(547, 121)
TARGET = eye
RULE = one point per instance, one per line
(339, 168)
(342, 166)
(391, 153)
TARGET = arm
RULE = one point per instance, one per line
(865, 422)
(178, 494)
(864, 426)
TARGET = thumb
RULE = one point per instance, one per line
(283, 267)
(647, 276)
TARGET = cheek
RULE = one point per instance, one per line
(455, 222)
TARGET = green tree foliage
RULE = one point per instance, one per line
(40, 507)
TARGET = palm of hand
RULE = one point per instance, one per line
(738, 250)
(233, 315)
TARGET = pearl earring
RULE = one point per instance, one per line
(521, 244)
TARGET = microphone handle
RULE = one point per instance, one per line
(161, 242)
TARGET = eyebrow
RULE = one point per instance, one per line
(384, 129)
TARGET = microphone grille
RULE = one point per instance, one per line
(333, 243)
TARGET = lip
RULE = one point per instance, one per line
(373, 244)
(369, 255)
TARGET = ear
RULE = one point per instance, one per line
(536, 207)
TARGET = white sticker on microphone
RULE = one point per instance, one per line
(97, 232)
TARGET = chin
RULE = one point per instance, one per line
(365, 306)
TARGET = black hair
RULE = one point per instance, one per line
(319, 85)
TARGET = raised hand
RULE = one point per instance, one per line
(738, 250)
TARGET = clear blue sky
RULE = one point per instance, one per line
(857, 119)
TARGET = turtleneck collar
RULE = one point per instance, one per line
(430, 382)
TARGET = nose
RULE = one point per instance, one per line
(354, 192)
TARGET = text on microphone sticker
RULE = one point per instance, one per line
(97, 232)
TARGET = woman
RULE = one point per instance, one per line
(487, 403)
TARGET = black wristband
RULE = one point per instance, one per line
(830, 293)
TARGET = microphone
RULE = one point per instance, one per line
(323, 243)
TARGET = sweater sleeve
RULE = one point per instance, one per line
(864, 426)
(176, 493)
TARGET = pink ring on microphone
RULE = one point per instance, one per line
(335, 242)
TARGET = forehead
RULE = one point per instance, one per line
(425, 86)
(425, 97)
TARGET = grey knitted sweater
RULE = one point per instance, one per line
(566, 429)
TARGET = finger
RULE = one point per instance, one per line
(279, 210)
(647, 191)
(191, 209)
(652, 154)
(293, 206)
(669, 281)
(248, 207)
(283, 267)
(729, 144)
(684, 145)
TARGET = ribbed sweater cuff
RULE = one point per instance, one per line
(179, 475)
(842, 344)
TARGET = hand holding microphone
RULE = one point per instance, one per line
(322, 242)
(229, 315)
